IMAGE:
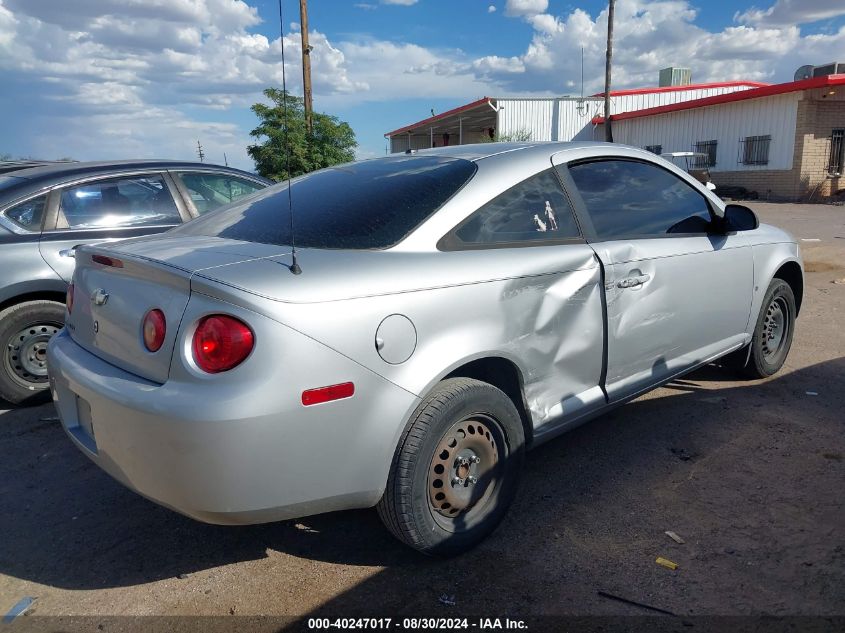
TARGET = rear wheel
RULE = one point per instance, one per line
(25, 330)
(772, 338)
(456, 469)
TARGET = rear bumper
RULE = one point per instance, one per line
(230, 455)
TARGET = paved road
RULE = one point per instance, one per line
(750, 474)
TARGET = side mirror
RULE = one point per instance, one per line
(739, 218)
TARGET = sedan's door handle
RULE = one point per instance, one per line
(633, 282)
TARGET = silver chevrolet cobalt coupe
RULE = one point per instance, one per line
(445, 310)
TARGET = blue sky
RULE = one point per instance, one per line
(106, 79)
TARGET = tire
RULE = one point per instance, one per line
(25, 330)
(464, 430)
(772, 338)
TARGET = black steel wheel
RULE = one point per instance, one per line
(25, 331)
(772, 338)
(456, 469)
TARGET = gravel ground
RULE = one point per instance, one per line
(750, 474)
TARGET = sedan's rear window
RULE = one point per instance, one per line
(364, 205)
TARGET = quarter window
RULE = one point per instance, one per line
(627, 198)
(28, 215)
(534, 210)
(210, 191)
(118, 202)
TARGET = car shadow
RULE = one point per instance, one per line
(586, 499)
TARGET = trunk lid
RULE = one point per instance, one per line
(110, 302)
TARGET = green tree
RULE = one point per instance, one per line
(332, 141)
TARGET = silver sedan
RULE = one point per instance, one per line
(397, 332)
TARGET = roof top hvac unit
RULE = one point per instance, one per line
(833, 68)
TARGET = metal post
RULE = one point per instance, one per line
(608, 132)
(460, 131)
(431, 131)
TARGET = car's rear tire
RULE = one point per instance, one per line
(456, 469)
(772, 337)
(25, 330)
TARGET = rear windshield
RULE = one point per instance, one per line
(9, 181)
(365, 205)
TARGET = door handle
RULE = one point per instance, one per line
(633, 282)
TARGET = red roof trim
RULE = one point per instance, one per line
(437, 117)
(717, 84)
(740, 95)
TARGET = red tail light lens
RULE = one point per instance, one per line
(69, 299)
(155, 327)
(221, 342)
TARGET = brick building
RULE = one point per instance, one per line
(784, 141)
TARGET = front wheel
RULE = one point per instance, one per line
(772, 338)
(25, 330)
(456, 469)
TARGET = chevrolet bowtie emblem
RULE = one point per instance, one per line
(100, 297)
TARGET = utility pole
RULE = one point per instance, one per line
(306, 64)
(200, 153)
(608, 133)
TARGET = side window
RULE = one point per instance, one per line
(118, 202)
(534, 210)
(209, 191)
(28, 215)
(627, 198)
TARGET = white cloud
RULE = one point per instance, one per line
(116, 78)
(142, 59)
(649, 35)
(545, 23)
(791, 12)
(491, 8)
(404, 3)
(366, 6)
(525, 7)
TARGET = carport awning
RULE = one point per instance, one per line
(478, 115)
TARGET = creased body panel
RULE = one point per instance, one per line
(548, 323)
(692, 303)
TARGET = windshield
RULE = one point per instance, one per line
(364, 205)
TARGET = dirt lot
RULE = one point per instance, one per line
(750, 474)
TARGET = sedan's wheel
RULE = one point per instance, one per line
(456, 469)
(773, 332)
(25, 330)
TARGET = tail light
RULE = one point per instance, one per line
(221, 342)
(155, 327)
(69, 298)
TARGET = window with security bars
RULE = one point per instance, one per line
(754, 150)
(654, 149)
(709, 149)
(837, 152)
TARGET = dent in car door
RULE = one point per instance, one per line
(672, 304)
(676, 295)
